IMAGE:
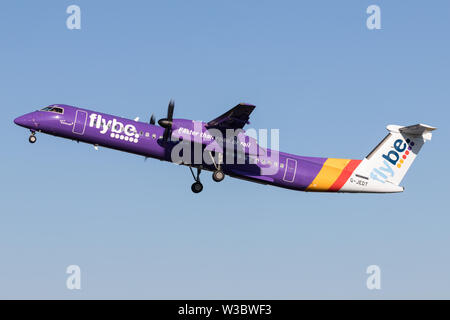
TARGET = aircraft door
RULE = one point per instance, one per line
(290, 170)
(79, 124)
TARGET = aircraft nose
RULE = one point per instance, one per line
(23, 121)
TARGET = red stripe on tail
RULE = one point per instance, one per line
(345, 174)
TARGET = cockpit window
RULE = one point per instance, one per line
(53, 109)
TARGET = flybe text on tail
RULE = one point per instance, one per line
(393, 156)
(392, 160)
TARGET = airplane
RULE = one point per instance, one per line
(381, 171)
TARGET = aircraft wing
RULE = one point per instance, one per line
(235, 118)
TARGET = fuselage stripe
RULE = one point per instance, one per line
(346, 173)
(330, 172)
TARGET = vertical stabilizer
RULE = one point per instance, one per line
(394, 155)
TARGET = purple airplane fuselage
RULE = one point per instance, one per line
(149, 140)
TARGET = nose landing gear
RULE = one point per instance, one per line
(197, 186)
(32, 138)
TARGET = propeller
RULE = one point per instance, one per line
(166, 123)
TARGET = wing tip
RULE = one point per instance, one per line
(244, 104)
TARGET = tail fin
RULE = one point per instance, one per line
(392, 157)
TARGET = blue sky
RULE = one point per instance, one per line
(313, 70)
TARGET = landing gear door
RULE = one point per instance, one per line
(79, 124)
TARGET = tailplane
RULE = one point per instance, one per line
(389, 161)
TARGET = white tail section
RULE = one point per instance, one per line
(390, 160)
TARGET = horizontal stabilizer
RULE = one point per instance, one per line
(414, 130)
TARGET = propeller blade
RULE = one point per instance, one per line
(170, 110)
(166, 123)
(166, 134)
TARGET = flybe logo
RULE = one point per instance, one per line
(396, 157)
(116, 128)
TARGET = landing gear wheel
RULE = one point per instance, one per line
(32, 138)
(196, 187)
(218, 175)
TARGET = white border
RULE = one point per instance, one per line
(286, 169)
(75, 122)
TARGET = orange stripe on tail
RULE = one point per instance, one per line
(345, 174)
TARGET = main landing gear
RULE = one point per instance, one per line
(197, 186)
(32, 138)
(218, 175)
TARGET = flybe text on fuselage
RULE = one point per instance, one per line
(118, 130)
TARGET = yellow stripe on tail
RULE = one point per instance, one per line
(331, 170)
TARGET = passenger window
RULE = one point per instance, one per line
(281, 165)
(147, 134)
